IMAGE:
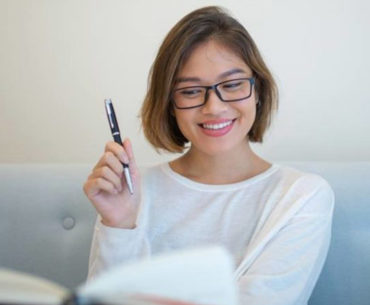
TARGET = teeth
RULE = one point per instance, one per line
(216, 126)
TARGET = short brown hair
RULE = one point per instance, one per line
(159, 124)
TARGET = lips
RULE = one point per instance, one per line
(216, 128)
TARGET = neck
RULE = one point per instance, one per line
(223, 168)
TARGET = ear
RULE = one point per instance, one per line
(255, 91)
(172, 110)
(257, 100)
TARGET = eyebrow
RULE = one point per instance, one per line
(222, 75)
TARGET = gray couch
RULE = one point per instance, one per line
(46, 224)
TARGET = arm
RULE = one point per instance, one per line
(111, 246)
(119, 233)
(289, 262)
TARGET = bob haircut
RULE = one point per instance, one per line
(157, 112)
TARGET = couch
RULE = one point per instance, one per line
(46, 225)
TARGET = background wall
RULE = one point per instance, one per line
(60, 59)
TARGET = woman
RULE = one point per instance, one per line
(210, 88)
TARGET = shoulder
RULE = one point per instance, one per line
(151, 169)
(312, 191)
(152, 174)
(302, 180)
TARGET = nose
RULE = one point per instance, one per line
(213, 104)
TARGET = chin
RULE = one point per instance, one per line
(216, 149)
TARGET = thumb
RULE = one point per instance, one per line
(131, 158)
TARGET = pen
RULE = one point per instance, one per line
(117, 138)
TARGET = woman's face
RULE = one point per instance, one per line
(217, 126)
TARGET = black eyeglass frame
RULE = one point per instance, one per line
(251, 80)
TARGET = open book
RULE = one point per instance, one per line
(188, 277)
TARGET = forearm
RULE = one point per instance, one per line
(113, 246)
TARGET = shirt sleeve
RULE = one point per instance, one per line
(289, 263)
(112, 246)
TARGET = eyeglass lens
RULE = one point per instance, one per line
(194, 96)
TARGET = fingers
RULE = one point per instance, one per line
(113, 156)
(118, 150)
(93, 186)
(108, 172)
(110, 160)
(108, 175)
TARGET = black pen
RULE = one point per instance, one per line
(117, 138)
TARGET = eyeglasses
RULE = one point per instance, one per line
(227, 91)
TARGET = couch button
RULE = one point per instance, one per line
(68, 223)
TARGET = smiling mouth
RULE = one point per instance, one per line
(217, 126)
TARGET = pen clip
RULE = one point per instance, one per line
(108, 105)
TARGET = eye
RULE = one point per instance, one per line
(232, 85)
(190, 92)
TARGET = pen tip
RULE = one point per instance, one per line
(108, 101)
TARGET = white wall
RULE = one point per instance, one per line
(60, 59)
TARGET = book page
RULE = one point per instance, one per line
(22, 288)
(200, 276)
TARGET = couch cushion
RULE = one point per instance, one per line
(46, 222)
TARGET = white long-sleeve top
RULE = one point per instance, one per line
(276, 225)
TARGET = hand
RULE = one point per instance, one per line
(107, 189)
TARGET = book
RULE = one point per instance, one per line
(201, 276)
